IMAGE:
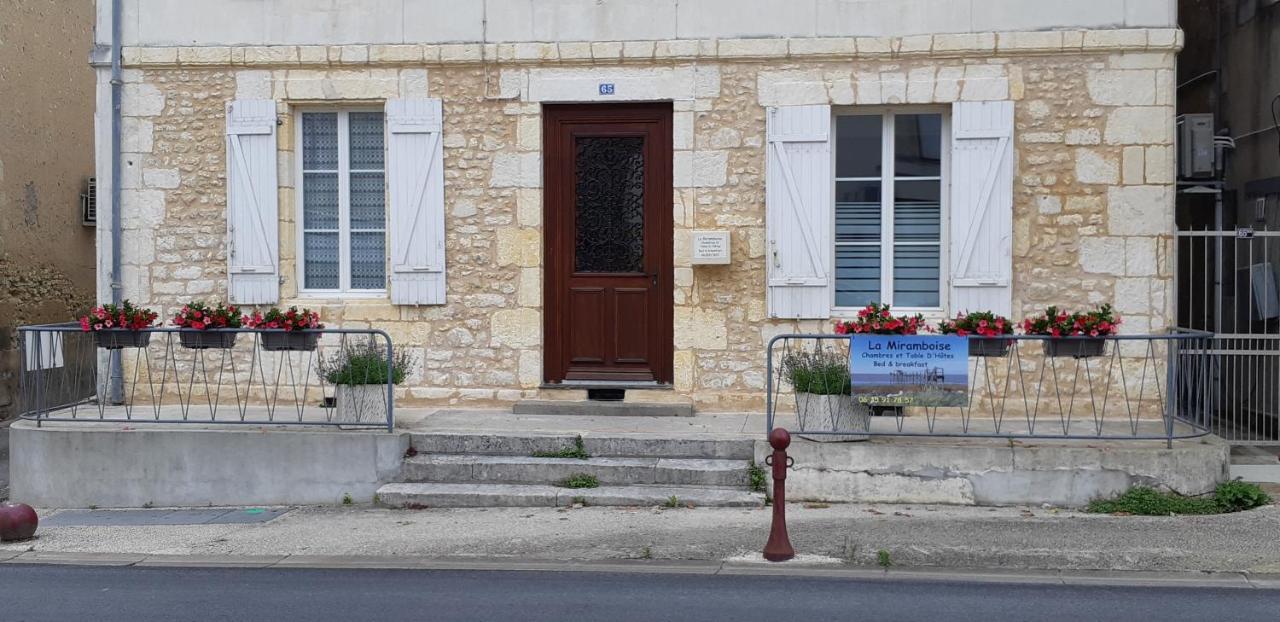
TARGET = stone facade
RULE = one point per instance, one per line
(1093, 185)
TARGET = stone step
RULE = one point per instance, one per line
(473, 468)
(595, 444)
(437, 495)
(602, 409)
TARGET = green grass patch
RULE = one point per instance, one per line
(1233, 496)
(757, 477)
(577, 451)
(580, 480)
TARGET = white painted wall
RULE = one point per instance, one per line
(295, 22)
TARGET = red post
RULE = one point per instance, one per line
(778, 548)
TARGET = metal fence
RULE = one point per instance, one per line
(332, 377)
(1138, 387)
(1227, 284)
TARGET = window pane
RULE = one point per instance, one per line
(368, 261)
(368, 201)
(321, 254)
(858, 211)
(320, 141)
(367, 149)
(857, 275)
(917, 211)
(858, 146)
(320, 201)
(609, 210)
(916, 276)
(917, 145)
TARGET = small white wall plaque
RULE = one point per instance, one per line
(710, 248)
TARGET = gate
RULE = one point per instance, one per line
(1227, 284)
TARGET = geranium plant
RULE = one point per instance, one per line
(878, 319)
(980, 323)
(1099, 322)
(200, 316)
(290, 320)
(125, 316)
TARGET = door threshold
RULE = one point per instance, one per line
(578, 385)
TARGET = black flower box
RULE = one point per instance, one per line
(1075, 347)
(289, 341)
(119, 338)
(207, 339)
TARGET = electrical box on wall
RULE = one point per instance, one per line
(710, 248)
(1196, 151)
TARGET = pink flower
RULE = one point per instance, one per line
(84, 323)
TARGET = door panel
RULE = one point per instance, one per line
(608, 234)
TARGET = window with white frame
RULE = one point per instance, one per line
(889, 216)
(342, 237)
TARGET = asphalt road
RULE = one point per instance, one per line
(103, 594)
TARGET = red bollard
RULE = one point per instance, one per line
(778, 548)
(17, 522)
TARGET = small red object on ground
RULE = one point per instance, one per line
(778, 548)
(18, 521)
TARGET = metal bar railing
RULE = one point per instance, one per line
(1138, 387)
(326, 377)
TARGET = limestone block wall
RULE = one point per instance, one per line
(1093, 189)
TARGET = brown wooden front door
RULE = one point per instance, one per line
(607, 201)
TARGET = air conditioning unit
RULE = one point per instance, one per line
(1196, 150)
(89, 203)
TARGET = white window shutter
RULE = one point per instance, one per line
(982, 207)
(798, 211)
(415, 181)
(253, 217)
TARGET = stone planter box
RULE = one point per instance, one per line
(207, 339)
(986, 347)
(289, 341)
(117, 338)
(831, 413)
(361, 403)
(1075, 348)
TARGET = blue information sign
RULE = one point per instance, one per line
(909, 370)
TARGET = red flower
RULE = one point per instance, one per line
(84, 323)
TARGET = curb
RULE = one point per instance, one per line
(1219, 580)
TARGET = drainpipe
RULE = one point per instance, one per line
(115, 385)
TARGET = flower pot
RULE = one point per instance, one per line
(207, 339)
(118, 338)
(831, 413)
(361, 403)
(988, 347)
(1075, 347)
(289, 341)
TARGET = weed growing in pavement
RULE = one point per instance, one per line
(646, 553)
(577, 451)
(1233, 496)
(672, 502)
(580, 480)
(346, 499)
(883, 559)
(1236, 496)
(757, 477)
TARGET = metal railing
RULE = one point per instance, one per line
(1140, 387)
(1229, 283)
(327, 377)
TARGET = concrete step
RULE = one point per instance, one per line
(602, 409)
(596, 444)
(437, 495)
(473, 468)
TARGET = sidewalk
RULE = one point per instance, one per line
(839, 535)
